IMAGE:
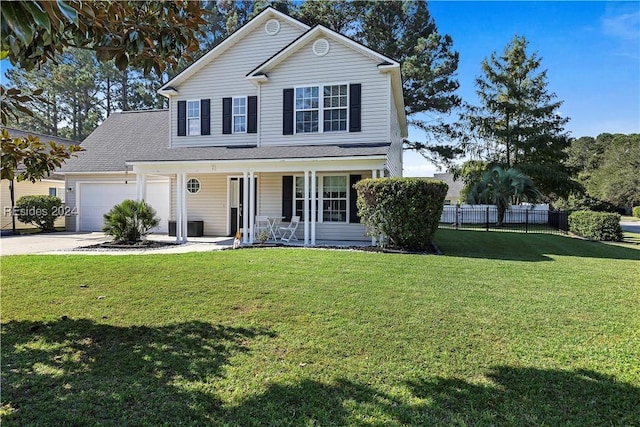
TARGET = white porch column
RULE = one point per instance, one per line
(141, 186)
(381, 173)
(179, 190)
(245, 207)
(314, 199)
(185, 217)
(374, 175)
(306, 207)
(252, 205)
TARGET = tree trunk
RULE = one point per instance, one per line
(13, 205)
(108, 94)
(125, 90)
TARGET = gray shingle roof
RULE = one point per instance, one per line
(255, 153)
(121, 136)
(19, 133)
(143, 136)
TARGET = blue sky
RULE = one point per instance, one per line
(591, 51)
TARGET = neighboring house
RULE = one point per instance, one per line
(275, 110)
(52, 186)
(455, 187)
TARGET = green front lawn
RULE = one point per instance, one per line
(504, 329)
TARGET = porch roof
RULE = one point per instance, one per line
(227, 153)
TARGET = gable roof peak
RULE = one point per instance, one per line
(168, 89)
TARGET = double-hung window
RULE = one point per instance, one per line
(239, 115)
(307, 109)
(335, 108)
(334, 198)
(193, 117)
(331, 194)
(299, 197)
(321, 108)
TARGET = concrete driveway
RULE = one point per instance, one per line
(66, 243)
(43, 243)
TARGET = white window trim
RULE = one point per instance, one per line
(320, 108)
(186, 185)
(245, 115)
(320, 199)
(199, 118)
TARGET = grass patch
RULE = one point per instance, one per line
(504, 329)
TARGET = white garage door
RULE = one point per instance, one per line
(96, 199)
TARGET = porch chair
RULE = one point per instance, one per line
(261, 224)
(289, 232)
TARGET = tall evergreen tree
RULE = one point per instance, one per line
(405, 32)
(517, 122)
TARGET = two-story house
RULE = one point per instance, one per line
(279, 119)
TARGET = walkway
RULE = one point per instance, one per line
(70, 243)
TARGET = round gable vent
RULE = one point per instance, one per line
(321, 47)
(272, 27)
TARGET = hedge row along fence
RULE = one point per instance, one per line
(596, 225)
(406, 211)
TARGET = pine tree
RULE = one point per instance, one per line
(517, 122)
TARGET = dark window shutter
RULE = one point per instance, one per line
(182, 118)
(355, 107)
(287, 112)
(353, 197)
(287, 197)
(252, 114)
(226, 115)
(205, 117)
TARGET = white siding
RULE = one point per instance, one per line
(394, 157)
(225, 77)
(342, 64)
(210, 205)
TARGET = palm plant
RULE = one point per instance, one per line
(130, 221)
(503, 187)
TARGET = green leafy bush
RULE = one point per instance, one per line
(636, 211)
(130, 221)
(404, 210)
(40, 211)
(596, 225)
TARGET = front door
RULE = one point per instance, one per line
(235, 204)
(236, 196)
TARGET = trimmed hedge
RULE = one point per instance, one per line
(636, 211)
(404, 210)
(40, 211)
(596, 225)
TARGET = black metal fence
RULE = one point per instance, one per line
(519, 219)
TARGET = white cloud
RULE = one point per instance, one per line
(625, 26)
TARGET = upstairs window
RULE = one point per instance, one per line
(307, 109)
(335, 108)
(329, 102)
(193, 117)
(239, 115)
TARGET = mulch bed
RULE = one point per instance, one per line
(146, 245)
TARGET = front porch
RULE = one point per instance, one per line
(226, 197)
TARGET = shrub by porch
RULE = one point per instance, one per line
(406, 211)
